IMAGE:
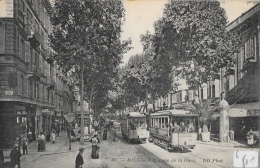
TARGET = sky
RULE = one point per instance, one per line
(140, 16)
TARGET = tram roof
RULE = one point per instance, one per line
(174, 112)
(135, 114)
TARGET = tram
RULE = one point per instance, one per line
(134, 127)
(161, 129)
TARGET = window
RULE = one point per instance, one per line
(22, 84)
(213, 91)
(250, 48)
(37, 61)
(37, 91)
(43, 94)
(29, 17)
(163, 123)
(22, 49)
(21, 11)
(201, 93)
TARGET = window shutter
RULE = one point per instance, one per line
(25, 87)
(19, 85)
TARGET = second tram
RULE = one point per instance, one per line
(162, 129)
(134, 127)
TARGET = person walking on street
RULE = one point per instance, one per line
(114, 133)
(79, 159)
(25, 143)
(41, 142)
(15, 155)
(95, 148)
(53, 135)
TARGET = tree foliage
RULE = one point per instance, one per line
(195, 30)
(87, 34)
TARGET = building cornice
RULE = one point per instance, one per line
(5, 99)
(251, 12)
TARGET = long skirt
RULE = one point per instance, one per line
(94, 152)
(105, 136)
(40, 145)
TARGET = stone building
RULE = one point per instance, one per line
(33, 93)
(240, 83)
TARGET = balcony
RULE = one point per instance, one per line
(249, 63)
(51, 84)
(229, 71)
(33, 35)
(34, 72)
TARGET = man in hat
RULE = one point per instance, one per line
(15, 156)
(79, 159)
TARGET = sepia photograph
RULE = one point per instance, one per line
(129, 83)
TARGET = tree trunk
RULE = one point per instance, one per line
(81, 107)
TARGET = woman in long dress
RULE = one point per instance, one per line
(105, 134)
(95, 148)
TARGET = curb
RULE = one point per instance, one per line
(219, 144)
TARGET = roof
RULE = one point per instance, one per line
(174, 113)
(254, 10)
(135, 114)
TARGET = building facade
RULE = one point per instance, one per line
(241, 82)
(33, 93)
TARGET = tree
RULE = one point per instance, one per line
(86, 38)
(194, 33)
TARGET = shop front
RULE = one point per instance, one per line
(243, 118)
(13, 123)
(47, 116)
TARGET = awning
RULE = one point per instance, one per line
(244, 110)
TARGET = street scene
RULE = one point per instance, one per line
(129, 83)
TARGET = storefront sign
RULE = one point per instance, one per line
(243, 113)
(237, 113)
(9, 93)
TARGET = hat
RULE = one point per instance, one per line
(81, 149)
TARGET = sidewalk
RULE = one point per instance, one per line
(33, 154)
(223, 144)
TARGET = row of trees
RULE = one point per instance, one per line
(86, 39)
(190, 42)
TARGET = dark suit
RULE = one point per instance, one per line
(79, 161)
(15, 157)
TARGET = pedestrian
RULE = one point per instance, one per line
(41, 142)
(176, 128)
(15, 155)
(25, 143)
(114, 133)
(79, 159)
(105, 134)
(53, 134)
(48, 136)
(58, 129)
(95, 148)
(231, 134)
(182, 127)
(191, 127)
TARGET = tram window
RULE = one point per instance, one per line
(166, 121)
(156, 123)
(162, 122)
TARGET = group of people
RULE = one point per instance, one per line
(95, 148)
(181, 128)
(94, 152)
